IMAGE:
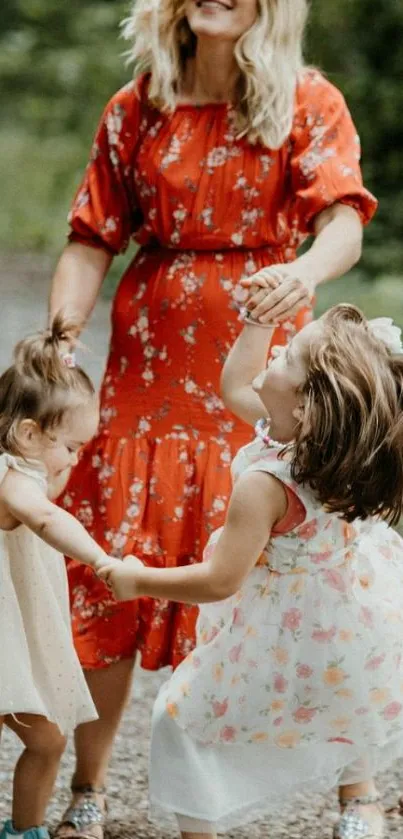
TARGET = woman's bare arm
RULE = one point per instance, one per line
(79, 275)
(336, 248)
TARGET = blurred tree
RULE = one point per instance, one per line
(59, 62)
(360, 45)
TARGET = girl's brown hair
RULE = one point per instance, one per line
(39, 385)
(349, 446)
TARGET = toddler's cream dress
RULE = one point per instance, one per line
(39, 669)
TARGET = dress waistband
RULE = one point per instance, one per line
(285, 253)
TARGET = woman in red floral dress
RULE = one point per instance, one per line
(219, 162)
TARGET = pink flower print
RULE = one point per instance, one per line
(319, 558)
(238, 617)
(324, 636)
(366, 617)
(308, 530)
(220, 708)
(392, 711)
(291, 619)
(360, 712)
(235, 654)
(280, 683)
(304, 671)
(196, 661)
(335, 580)
(278, 721)
(304, 715)
(375, 662)
(340, 740)
(228, 734)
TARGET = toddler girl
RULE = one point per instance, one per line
(297, 678)
(48, 410)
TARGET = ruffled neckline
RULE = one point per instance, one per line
(27, 466)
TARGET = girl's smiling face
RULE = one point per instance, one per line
(279, 386)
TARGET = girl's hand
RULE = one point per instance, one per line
(122, 577)
(282, 293)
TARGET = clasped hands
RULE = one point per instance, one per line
(120, 576)
(277, 293)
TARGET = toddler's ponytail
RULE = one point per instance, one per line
(41, 355)
(40, 384)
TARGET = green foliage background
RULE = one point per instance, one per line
(60, 61)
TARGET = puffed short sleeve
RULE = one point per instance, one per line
(325, 154)
(104, 213)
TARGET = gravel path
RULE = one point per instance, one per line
(23, 288)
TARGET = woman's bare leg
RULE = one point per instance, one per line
(110, 689)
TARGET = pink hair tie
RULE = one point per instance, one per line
(69, 359)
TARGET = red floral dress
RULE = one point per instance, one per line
(207, 209)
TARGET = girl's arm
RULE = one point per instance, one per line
(28, 504)
(257, 502)
(246, 359)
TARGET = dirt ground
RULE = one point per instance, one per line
(23, 289)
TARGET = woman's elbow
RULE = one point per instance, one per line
(353, 232)
(356, 243)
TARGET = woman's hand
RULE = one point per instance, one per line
(281, 293)
(122, 577)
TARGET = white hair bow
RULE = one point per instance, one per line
(386, 331)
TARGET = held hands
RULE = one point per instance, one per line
(277, 293)
(122, 577)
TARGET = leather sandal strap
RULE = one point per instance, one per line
(360, 800)
(88, 789)
(74, 834)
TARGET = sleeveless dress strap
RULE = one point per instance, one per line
(32, 468)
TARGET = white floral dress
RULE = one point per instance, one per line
(39, 669)
(296, 681)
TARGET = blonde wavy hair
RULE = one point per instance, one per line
(269, 57)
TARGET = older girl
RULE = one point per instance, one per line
(296, 681)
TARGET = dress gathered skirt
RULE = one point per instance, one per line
(296, 682)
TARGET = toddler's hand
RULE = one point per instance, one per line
(105, 561)
(121, 576)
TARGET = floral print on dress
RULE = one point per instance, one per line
(289, 660)
(207, 210)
